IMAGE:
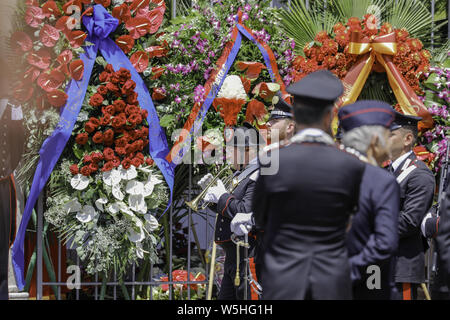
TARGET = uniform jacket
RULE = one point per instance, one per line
(373, 236)
(304, 210)
(443, 238)
(229, 204)
(416, 196)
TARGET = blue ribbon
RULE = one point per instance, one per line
(99, 26)
(218, 84)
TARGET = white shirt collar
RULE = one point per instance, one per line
(400, 159)
(312, 132)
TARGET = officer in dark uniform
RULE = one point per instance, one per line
(417, 186)
(305, 207)
(443, 245)
(12, 140)
(373, 237)
(245, 141)
(281, 120)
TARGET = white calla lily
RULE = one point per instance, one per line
(79, 182)
(151, 223)
(139, 250)
(87, 214)
(137, 203)
(134, 236)
(117, 193)
(152, 181)
(113, 208)
(128, 174)
(124, 209)
(100, 202)
(72, 206)
(134, 187)
(111, 178)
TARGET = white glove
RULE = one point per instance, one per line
(424, 222)
(207, 178)
(241, 223)
(215, 192)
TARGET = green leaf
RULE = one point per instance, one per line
(167, 120)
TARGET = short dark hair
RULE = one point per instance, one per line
(310, 111)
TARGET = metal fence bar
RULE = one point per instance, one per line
(39, 243)
(189, 232)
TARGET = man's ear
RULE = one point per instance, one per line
(408, 139)
(328, 116)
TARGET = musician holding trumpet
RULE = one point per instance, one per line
(242, 151)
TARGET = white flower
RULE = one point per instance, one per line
(232, 88)
(100, 202)
(137, 203)
(152, 181)
(117, 193)
(124, 209)
(86, 214)
(111, 178)
(151, 223)
(113, 208)
(139, 250)
(79, 182)
(72, 206)
(128, 174)
(134, 236)
(134, 187)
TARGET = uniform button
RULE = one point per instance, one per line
(220, 229)
(218, 238)
(221, 220)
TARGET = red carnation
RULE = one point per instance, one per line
(96, 100)
(82, 138)
(95, 121)
(144, 113)
(98, 137)
(121, 142)
(140, 156)
(109, 154)
(85, 171)
(74, 169)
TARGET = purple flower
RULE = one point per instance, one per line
(247, 7)
(207, 61)
(199, 92)
(245, 16)
(177, 100)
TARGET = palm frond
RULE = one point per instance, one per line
(440, 54)
(346, 9)
(302, 24)
(414, 16)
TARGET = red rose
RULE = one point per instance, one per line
(119, 105)
(90, 127)
(87, 158)
(104, 77)
(130, 109)
(118, 122)
(135, 119)
(140, 156)
(124, 74)
(116, 162)
(144, 113)
(115, 78)
(97, 157)
(95, 121)
(126, 164)
(128, 87)
(108, 110)
(109, 68)
(108, 135)
(144, 132)
(74, 169)
(149, 161)
(129, 148)
(120, 151)
(132, 98)
(102, 90)
(138, 145)
(136, 162)
(135, 134)
(104, 121)
(108, 166)
(85, 171)
(82, 138)
(93, 167)
(98, 137)
(109, 154)
(121, 142)
(112, 87)
(96, 100)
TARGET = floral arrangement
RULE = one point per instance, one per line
(106, 192)
(180, 292)
(330, 51)
(195, 42)
(436, 98)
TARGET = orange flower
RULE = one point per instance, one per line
(246, 83)
(252, 69)
(401, 34)
(424, 155)
(338, 28)
(386, 28)
(229, 109)
(256, 111)
(322, 36)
